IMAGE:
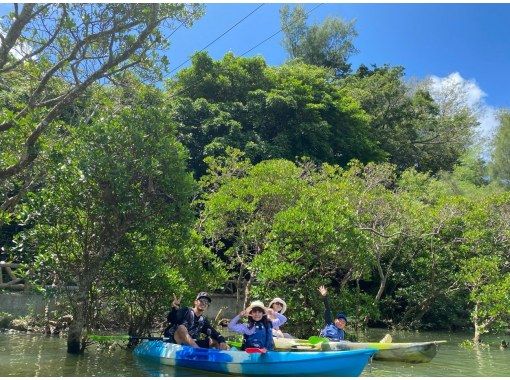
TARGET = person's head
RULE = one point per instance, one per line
(278, 305)
(202, 302)
(256, 311)
(340, 320)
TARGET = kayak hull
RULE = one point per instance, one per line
(420, 352)
(328, 363)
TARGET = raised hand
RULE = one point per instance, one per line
(323, 291)
(177, 301)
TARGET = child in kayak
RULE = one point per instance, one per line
(334, 329)
(257, 333)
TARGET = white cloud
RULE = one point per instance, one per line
(18, 51)
(467, 93)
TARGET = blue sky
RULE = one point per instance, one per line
(468, 43)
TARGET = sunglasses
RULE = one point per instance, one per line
(204, 301)
(279, 303)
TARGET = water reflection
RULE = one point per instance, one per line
(36, 355)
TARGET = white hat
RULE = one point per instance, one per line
(258, 304)
(284, 308)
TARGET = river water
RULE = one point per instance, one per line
(37, 355)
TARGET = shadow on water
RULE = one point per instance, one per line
(37, 355)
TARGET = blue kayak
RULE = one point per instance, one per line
(272, 363)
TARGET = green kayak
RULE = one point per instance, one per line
(419, 352)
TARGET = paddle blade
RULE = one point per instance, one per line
(235, 344)
(317, 339)
(387, 339)
(255, 350)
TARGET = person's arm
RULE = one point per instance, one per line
(279, 320)
(172, 315)
(327, 310)
(185, 317)
(237, 327)
(208, 329)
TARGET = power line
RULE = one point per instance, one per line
(247, 51)
(217, 38)
(271, 36)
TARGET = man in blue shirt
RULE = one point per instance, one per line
(334, 330)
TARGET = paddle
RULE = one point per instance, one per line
(108, 338)
(233, 343)
(255, 350)
(113, 338)
(317, 339)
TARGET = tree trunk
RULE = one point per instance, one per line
(75, 345)
(247, 292)
(382, 286)
(476, 336)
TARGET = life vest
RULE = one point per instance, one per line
(332, 332)
(261, 338)
(193, 330)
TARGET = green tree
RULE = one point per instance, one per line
(313, 242)
(485, 271)
(329, 44)
(407, 123)
(489, 289)
(51, 55)
(237, 218)
(284, 112)
(120, 197)
(500, 160)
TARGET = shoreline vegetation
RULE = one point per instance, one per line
(121, 185)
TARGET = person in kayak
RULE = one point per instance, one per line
(187, 323)
(258, 332)
(334, 329)
(279, 306)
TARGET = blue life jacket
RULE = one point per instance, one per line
(261, 338)
(332, 332)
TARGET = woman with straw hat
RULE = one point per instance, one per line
(257, 333)
(279, 306)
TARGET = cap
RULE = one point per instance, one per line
(341, 316)
(203, 295)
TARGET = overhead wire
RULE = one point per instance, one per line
(221, 35)
(247, 51)
(274, 34)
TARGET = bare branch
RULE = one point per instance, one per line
(44, 46)
(113, 61)
(14, 32)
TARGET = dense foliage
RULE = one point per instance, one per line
(279, 179)
(283, 112)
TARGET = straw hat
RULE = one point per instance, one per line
(258, 304)
(284, 308)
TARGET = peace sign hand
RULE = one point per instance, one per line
(176, 302)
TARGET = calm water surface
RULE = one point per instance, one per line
(37, 355)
